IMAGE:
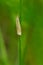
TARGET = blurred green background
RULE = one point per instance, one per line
(31, 12)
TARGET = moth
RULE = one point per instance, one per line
(18, 26)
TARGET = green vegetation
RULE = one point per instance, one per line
(31, 18)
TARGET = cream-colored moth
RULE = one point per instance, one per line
(18, 26)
